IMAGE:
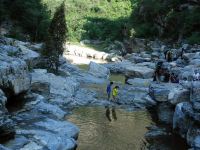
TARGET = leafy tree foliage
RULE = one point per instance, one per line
(57, 36)
(31, 15)
(110, 19)
(168, 19)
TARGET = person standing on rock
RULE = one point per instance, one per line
(108, 89)
(115, 93)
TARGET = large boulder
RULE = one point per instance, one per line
(139, 72)
(118, 67)
(181, 120)
(63, 86)
(138, 96)
(14, 76)
(169, 92)
(98, 70)
(15, 48)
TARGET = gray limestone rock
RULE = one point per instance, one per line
(99, 70)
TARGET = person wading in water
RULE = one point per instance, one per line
(115, 93)
(108, 89)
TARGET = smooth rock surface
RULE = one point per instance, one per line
(98, 70)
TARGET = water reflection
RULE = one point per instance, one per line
(111, 114)
(110, 128)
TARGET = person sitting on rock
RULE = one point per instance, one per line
(158, 71)
(174, 78)
(108, 89)
(157, 75)
(115, 93)
(166, 75)
(182, 52)
(196, 76)
(169, 56)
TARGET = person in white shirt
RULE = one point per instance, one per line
(196, 75)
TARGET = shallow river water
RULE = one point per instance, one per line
(103, 128)
(110, 129)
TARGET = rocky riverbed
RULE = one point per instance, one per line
(47, 98)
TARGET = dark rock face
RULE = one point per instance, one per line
(6, 125)
(14, 76)
(165, 113)
(41, 88)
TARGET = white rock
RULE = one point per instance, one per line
(98, 70)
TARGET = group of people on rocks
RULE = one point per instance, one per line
(113, 91)
(163, 74)
(170, 55)
(196, 76)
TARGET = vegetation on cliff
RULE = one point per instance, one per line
(171, 20)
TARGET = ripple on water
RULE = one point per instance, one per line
(109, 129)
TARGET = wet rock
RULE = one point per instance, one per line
(165, 113)
(98, 70)
(155, 132)
(63, 86)
(14, 76)
(139, 72)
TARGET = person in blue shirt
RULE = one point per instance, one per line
(109, 89)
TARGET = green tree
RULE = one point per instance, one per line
(57, 37)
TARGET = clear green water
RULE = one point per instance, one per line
(110, 129)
